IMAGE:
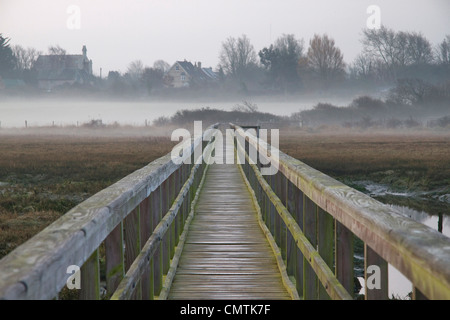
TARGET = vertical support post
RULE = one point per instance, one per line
(264, 207)
(90, 278)
(177, 223)
(146, 228)
(132, 238)
(273, 218)
(283, 197)
(344, 257)
(247, 151)
(310, 281)
(166, 237)
(274, 183)
(325, 237)
(260, 196)
(183, 215)
(299, 209)
(371, 258)
(171, 229)
(115, 267)
(157, 257)
(290, 243)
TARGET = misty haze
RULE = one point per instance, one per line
(91, 92)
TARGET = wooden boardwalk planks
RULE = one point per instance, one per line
(226, 254)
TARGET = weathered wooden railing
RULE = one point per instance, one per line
(314, 220)
(122, 237)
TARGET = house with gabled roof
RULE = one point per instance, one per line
(58, 70)
(185, 74)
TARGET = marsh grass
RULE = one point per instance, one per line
(412, 160)
(44, 176)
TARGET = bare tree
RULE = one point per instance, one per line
(56, 50)
(401, 54)
(443, 51)
(161, 65)
(363, 67)
(397, 49)
(325, 59)
(366, 67)
(419, 49)
(246, 106)
(237, 56)
(25, 58)
(381, 44)
(153, 78)
(135, 69)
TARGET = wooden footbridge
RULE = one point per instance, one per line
(195, 229)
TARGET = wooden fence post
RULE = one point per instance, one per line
(172, 195)
(290, 243)
(166, 237)
(90, 278)
(283, 197)
(298, 216)
(325, 237)
(131, 225)
(344, 257)
(371, 258)
(310, 281)
(157, 257)
(146, 229)
(115, 266)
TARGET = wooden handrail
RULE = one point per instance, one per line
(335, 289)
(37, 269)
(136, 270)
(419, 252)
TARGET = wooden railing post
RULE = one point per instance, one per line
(276, 227)
(185, 207)
(177, 222)
(115, 265)
(166, 238)
(172, 236)
(298, 216)
(372, 259)
(290, 243)
(146, 229)
(282, 181)
(90, 278)
(344, 256)
(310, 289)
(325, 237)
(131, 225)
(157, 257)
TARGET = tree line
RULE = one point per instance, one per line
(288, 65)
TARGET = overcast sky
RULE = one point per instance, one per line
(117, 32)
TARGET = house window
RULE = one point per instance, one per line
(177, 68)
(183, 77)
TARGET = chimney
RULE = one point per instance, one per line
(199, 65)
(84, 52)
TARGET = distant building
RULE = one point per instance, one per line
(57, 70)
(185, 74)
